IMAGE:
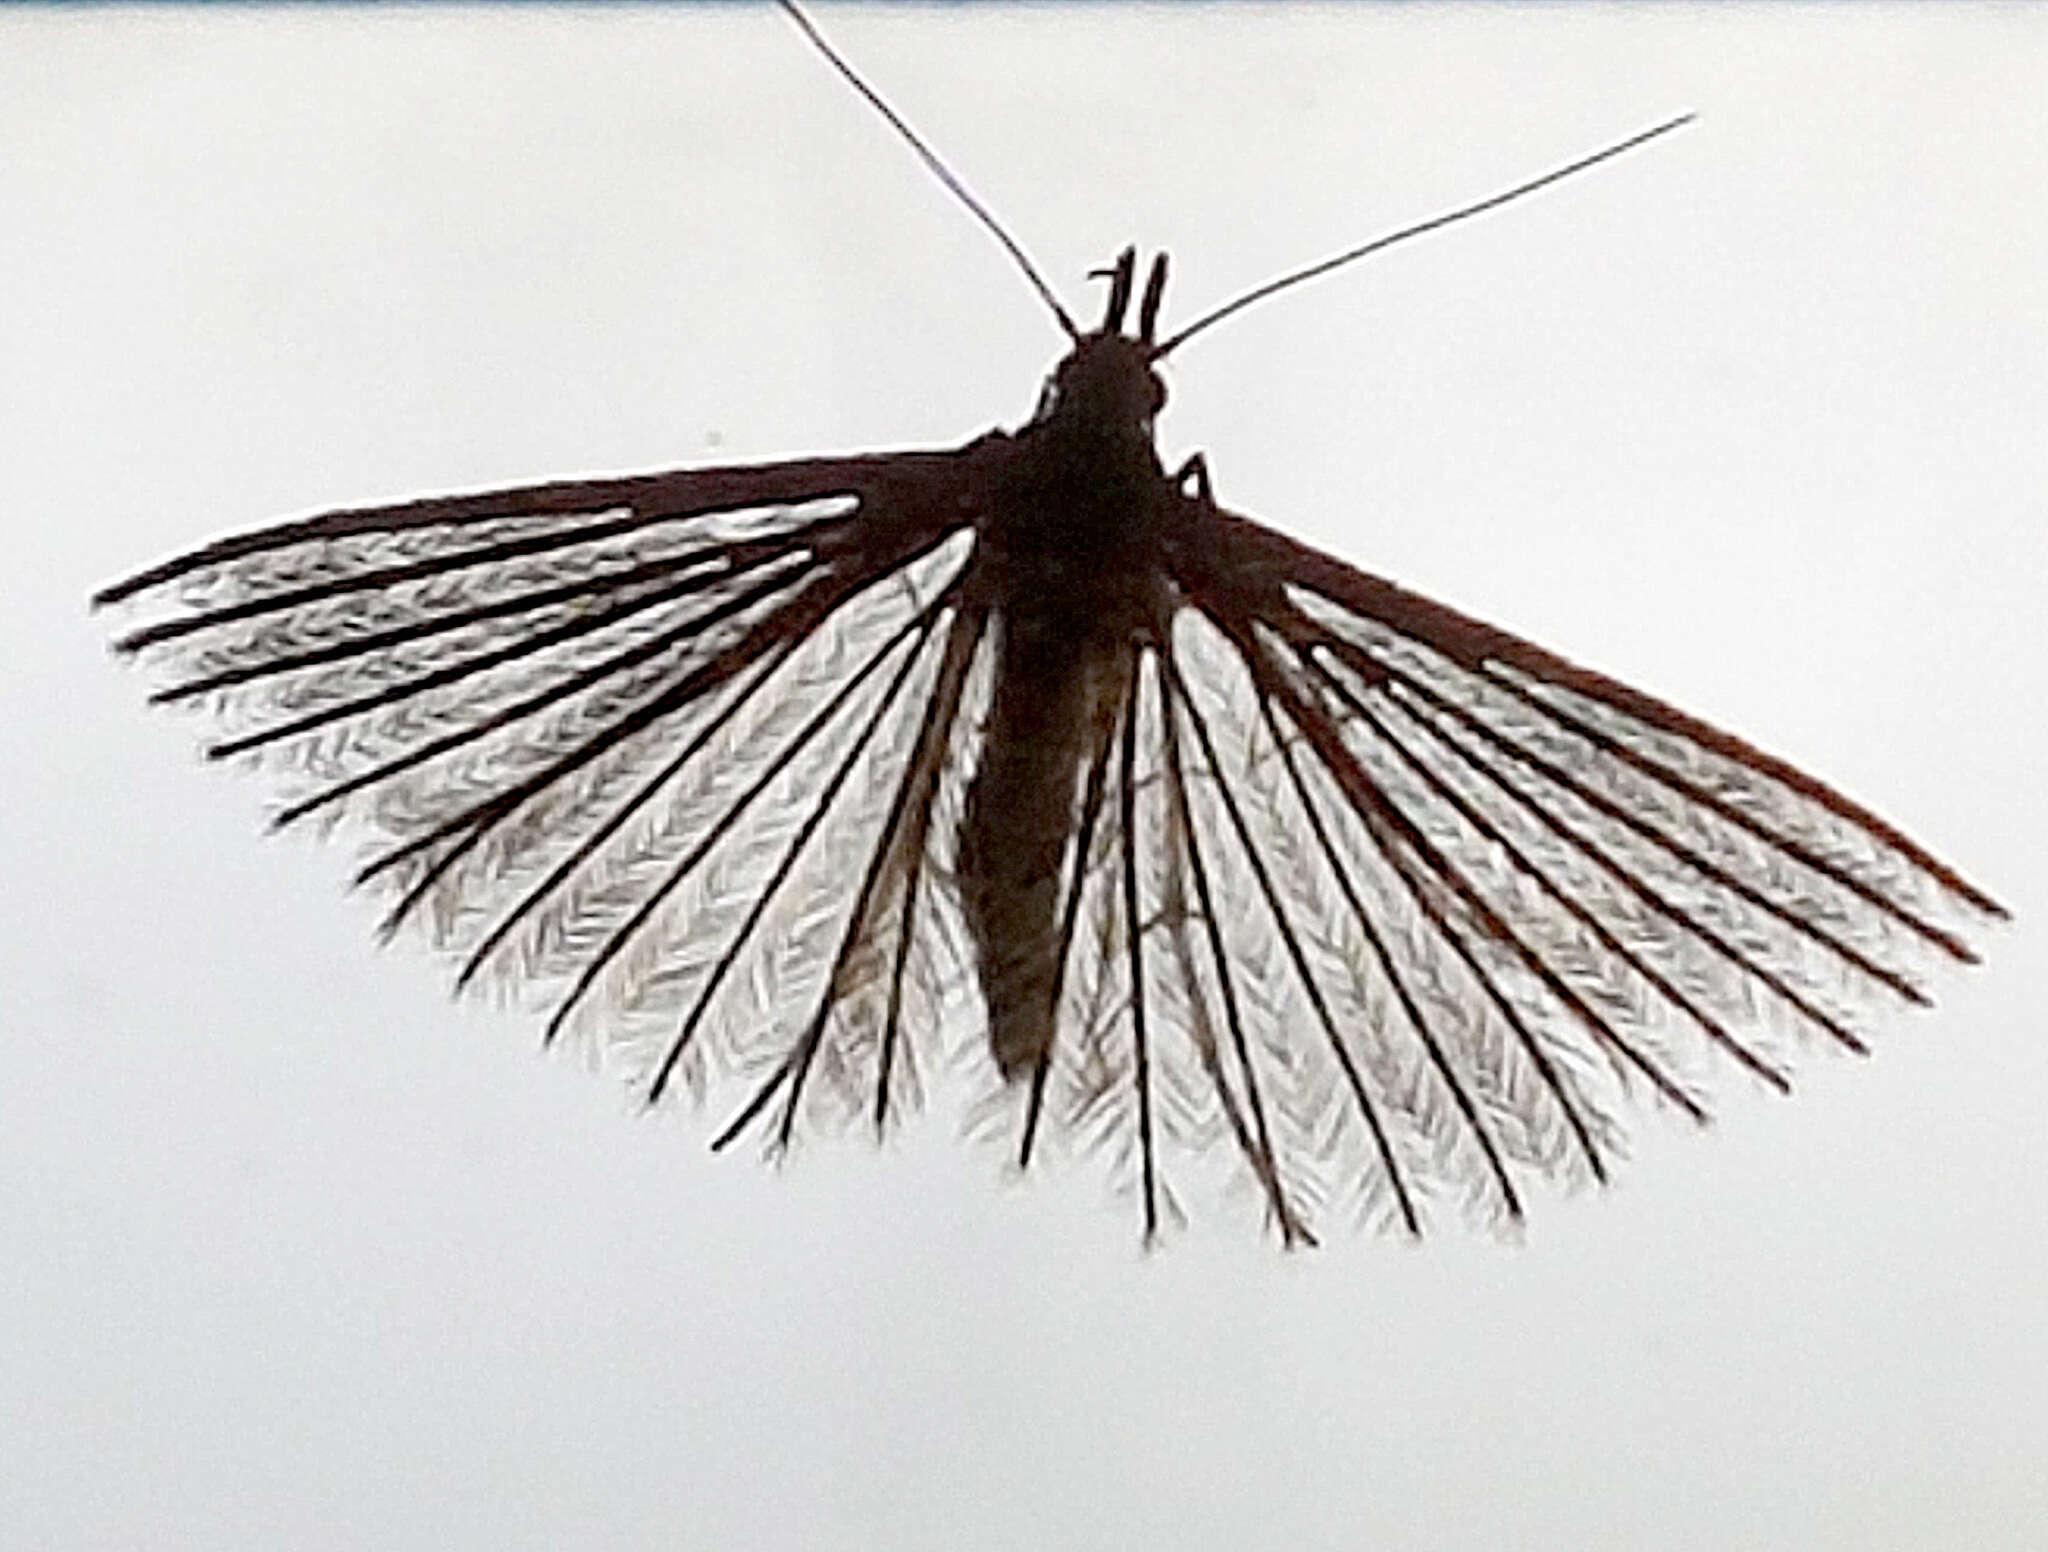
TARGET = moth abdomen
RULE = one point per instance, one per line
(1053, 705)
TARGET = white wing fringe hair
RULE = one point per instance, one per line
(1367, 906)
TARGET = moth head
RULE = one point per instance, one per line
(1107, 379)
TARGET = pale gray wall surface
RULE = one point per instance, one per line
(299, 1255)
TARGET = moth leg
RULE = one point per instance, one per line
(1196, 469)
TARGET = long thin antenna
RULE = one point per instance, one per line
(1492, 202)
(938, 168)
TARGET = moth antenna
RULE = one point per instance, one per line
(1491, 202)
(938, 168)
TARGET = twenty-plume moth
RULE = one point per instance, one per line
(820, 776)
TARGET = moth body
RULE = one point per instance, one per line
(1249, 848)
(1071, 548)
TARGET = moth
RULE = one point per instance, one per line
(1182, 842)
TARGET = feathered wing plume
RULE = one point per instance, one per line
(1507, 889)
(614, 744)
(1359, 900)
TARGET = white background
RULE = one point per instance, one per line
(297, 1254)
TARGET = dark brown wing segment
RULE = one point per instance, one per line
(1470, 895)
(619, 743)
